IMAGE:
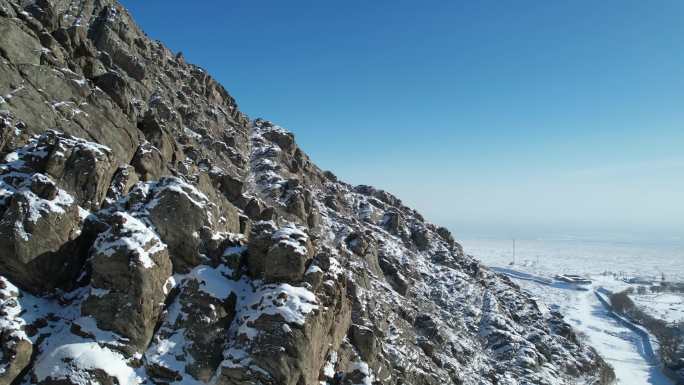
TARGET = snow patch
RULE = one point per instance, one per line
(60, 363)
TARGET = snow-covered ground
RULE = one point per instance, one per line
(600, 261)
(584, 256)
(665, 306)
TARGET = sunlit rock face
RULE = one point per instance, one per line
(152, 233)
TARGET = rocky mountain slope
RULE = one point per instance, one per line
(151, 233)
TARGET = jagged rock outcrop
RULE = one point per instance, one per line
(152, 233)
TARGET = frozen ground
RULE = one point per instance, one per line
(588, 257)
(621, 347)
(665, 306)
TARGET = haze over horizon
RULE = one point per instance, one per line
(504, 119)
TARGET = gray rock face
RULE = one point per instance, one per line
(151, 233)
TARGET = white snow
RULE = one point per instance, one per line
(63, 354)
(363, 367)
(290, 302)
(134, 236)
(666, 306)
(329, 367)
(313, 269)
(84, 355)
(292, 236)
(213, 281)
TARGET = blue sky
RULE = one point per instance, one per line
(495, 118)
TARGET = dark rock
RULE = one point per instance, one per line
(421, 238)
(296, 206)
(114, 85)
(230, 186)
(357, 243)
(364, 340)
(123, 180)
(43, 187)
(254, 208)
(284, 140)
(446, 235)
(148, 162)
(394, 222)
(84, 169)
(203, 325)
(15, 349)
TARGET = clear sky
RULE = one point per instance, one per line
(502, 118)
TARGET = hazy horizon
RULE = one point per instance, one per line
(499, 119)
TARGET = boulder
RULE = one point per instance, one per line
(178, 212)
(363, 338)
(426, 325)
(446, 235)
(114, 85)
(230, 186)
(42, 185)
(123, 180)
(421, 238)
(254, 208)
(158, 130)
(148, 162)
(390, 269)
(130, 266)
(357, 243)
(285, 350)
(394, 223)
(16, 355)
(288, 255)
(202, 318)
(278, 255)
(32, 233)
(284, 139)
(82, 168)
(295, 204)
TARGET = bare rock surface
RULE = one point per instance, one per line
(152, 233)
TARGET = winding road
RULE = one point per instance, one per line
(622, 347)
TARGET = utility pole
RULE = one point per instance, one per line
(514, 251)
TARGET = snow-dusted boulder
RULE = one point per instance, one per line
(38, 219)
(177, 211)
(82, 168)
(200, 311)
(129, 265)
(278, 255)
(284, 334)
